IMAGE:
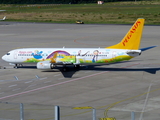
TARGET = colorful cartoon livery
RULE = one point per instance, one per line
(49, 58)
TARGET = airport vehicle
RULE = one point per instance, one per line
(3, 18)
(50, 58)
(79, 22)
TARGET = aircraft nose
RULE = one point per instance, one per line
(4, 57)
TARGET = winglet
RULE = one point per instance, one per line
(132, 39)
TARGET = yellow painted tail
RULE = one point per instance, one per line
(133, 38)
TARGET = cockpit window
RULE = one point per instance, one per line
(8, 53)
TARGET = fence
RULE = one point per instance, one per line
(15, 111)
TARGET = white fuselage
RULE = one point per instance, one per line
(72, 55)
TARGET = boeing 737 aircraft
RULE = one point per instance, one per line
(49, 58)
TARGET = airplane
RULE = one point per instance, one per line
(3, 18)
(50, 58)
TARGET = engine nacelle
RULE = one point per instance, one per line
(45, 65)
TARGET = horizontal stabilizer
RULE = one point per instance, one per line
(147, 48)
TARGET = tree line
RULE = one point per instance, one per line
(55, 1)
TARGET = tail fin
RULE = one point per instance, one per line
(132, 39)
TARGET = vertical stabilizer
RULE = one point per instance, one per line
(133, 38)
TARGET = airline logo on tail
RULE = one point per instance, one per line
(132, 39)
(131, 32)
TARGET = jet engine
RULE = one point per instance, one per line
(45, 65)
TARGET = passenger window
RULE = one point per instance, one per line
(8, 53)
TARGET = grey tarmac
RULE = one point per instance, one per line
(113, 90)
